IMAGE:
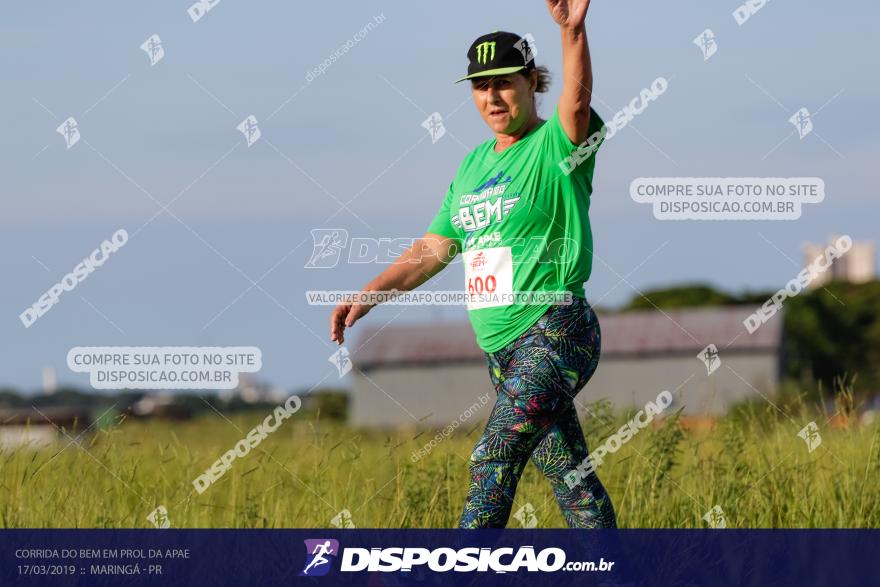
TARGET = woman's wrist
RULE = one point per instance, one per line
(574, 31)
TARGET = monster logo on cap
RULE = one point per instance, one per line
(499, 53)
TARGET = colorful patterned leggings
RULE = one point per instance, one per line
(536, 378)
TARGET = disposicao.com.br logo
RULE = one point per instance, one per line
(322, 551)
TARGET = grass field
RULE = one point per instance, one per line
(752, 464)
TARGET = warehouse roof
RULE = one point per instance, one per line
(637, 333)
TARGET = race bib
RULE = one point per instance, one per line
(488, 277)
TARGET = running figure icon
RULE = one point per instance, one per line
(321, 549)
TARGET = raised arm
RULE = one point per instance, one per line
(577, 72)
(422, 261)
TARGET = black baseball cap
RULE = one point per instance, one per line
(499, 53)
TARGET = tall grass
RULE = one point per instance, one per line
(752, 464)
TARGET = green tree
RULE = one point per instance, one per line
(685, 296)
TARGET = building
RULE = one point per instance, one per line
(44, 427)
(161, 406)
(50, 381)
(430, 374)
(251, 391)
(858, 265)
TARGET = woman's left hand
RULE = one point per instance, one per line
(568, 13)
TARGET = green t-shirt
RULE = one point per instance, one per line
(523, 226)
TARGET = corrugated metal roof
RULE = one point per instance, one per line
(644, 332)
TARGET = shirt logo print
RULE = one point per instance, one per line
(477, 211)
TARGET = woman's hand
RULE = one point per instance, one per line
(343, 316)
(424, 259)
(568, 13)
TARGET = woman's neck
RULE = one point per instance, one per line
(503, 141)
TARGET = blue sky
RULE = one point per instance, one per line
(164, 132)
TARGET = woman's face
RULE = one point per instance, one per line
(505, 102)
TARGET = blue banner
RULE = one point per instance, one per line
(439, 557)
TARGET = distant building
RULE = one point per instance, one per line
(50, 382)
(430, 374)
(38, 428)
(159, 406)
(858, 265)
(251, 390)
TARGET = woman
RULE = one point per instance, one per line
(520, 218)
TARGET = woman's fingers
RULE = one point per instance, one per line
(337, 323)
(344, 316)
(356, 312)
